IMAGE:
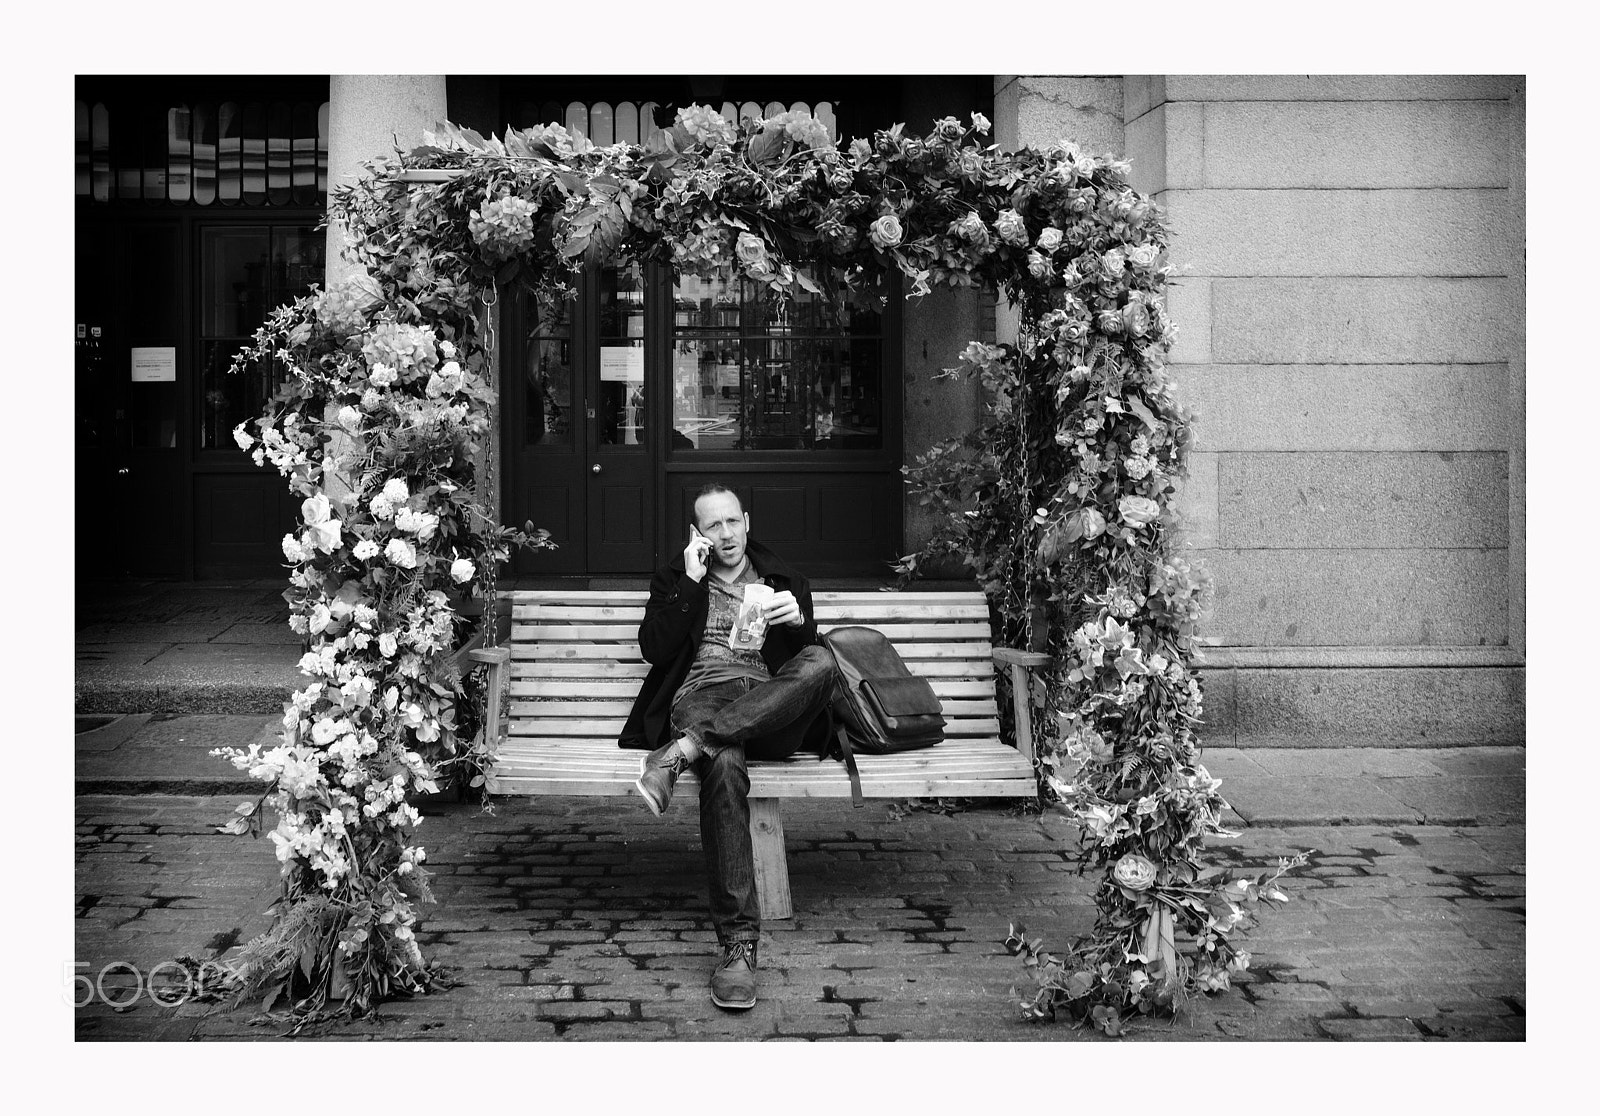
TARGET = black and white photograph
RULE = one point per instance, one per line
(808, 553)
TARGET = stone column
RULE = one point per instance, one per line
(365, 115)
(366, 112)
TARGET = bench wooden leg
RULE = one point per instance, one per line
(772, 861)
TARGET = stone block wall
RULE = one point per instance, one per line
(1351, 307)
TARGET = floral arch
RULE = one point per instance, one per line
(1060, 502)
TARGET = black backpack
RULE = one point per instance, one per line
(878, 706)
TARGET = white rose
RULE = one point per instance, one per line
(244, 440)
(319, 619)
(381, 375)
(462, 570)
(401, 553)
(1011, 227)
(324, 536)
(382, 507)
(1144, 255)
(447, 349)
(885, 232)
(365, 549)
(350, 418)
(292, 549)
(1138, 511)
(387, 645)
(315, 510)
(1049, 239)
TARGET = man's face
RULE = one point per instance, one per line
(723, 521)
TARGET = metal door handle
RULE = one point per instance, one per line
(594, 469)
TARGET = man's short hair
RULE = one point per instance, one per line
(713, 489)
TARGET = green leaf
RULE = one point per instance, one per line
(767, 148)
(1144, 413)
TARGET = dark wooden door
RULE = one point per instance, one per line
(578, 443)
(131, 515)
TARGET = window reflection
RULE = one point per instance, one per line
(752, 372)
(245, 273)
(205, 153)
(621, 407)
(547, 372)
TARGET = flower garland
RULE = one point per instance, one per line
(1059, 502)
(378, 573)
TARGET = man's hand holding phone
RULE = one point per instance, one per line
(694, 555)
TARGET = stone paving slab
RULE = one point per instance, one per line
(1301, 762)
(567, 919)
(1462, 799)
(276, 634)
(156, 752)
(1227, 763)
(1319, 800)
(100, 635)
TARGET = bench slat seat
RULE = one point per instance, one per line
(980, 767)
(573, 668)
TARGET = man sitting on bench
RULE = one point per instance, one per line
(729, 681)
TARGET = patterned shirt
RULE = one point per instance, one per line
(716, 662)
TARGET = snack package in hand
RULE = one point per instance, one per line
(749, 632)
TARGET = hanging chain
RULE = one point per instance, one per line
(491, 604)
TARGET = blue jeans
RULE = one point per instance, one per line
(732, 720)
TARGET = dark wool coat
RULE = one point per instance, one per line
(674, 625)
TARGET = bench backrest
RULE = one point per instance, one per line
(576, 666)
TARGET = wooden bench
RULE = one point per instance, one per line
(574, 668)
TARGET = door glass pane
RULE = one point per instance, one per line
(752, 372)
(707, 394)
(245, 273)
(297, 262)
(706, 304)
(547, 372)
(620, 405)
(228, 400)
(234, 280)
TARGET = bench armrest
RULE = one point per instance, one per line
(1009, 657)
(1018, 663)
(498, 659)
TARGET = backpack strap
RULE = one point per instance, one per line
(841, 747)
(849, 765)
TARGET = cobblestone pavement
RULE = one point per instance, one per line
(585, 919)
